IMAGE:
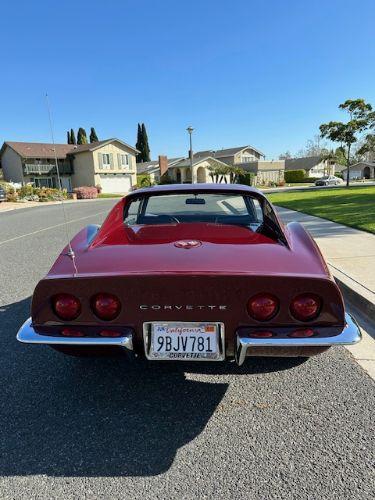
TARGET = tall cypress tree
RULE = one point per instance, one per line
(139, 144)
(81, 136)
(145, 146)
(68, 140)
(72, 137)
(93, 136)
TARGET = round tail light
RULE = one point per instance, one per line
(66, 306)
(263, 306)
(106, 306)
(305, 307)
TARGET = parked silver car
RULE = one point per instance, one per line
(329, 180)
(3, 195)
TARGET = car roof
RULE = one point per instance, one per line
(197, 188)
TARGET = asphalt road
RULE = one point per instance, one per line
(104, 428)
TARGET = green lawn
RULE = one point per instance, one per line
(110, 195)
(353, 207)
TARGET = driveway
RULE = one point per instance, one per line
(104, 428)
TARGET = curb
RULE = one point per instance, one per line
(52, 203)
(361, 298)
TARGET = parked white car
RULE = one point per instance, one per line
(329, 180)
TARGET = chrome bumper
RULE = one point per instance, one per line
(351, 334)
(27, 335)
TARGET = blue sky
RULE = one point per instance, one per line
(265, 73)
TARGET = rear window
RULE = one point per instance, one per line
(217, 208)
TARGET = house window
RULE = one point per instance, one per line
(106, 160)
(247, 159)
(124, 161)
(42, 182)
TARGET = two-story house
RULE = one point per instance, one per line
(109, 164)
(25, 162)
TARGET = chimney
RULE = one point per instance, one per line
(163, 164)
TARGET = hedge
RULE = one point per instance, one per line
(295, 175)
(86, 192)
(246, 178)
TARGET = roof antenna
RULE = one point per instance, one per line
(70, 249)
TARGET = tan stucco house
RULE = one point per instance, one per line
(360, 170)
(180, 171)
(110, 164)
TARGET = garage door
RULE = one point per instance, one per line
(115, 183)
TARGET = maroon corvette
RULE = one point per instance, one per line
(202, 272)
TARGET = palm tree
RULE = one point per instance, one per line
(328, 156)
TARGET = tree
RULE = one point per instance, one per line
(313, 147)
(139, 144)
(328, 156)
(285, 156)
(72, 137)
(361, 118)
(340, 155)
(93, 136)
(367, 149)
(146, 147)
(68, 139)
(219, 173)
(81, 136)
(142, 144)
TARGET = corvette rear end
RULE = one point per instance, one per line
(199, 272)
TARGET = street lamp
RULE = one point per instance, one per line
(190, 131)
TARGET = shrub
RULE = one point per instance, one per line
(295, 175)
(86, 192)
(271, 184)
(165, 179)
(246, 178)
(143, 180)
(12, 195)
(6, 186)
(26, 191)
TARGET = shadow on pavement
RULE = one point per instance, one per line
(65, 416)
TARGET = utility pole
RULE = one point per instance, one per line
(190, 130)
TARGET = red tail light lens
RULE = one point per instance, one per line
(302, 333)
(263, 306)
(71, 332)
(66, 306)
(109, 333)
(305, 307)
(106, 306)
(261, 335)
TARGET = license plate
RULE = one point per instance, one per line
(184, 341)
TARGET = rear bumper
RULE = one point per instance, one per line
(27, 335)
(351, 334)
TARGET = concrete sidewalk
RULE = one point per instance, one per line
(350, 254)
(348, 251)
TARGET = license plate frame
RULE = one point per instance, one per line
(148, 330)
